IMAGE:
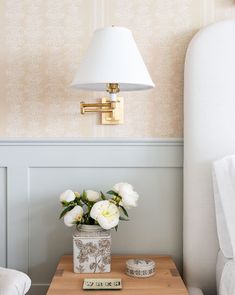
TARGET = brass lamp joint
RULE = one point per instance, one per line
(111, 111)
(111, 108)
(112, 88)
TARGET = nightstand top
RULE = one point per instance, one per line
(166, 281)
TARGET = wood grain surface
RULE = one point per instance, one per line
(166, 281)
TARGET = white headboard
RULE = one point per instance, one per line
(209, 132)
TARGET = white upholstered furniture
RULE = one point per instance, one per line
(194, 291)
(13, 282)
(224, 194)
(209, 121)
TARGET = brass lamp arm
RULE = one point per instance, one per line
(97, 110)
(112, 111)
(102, 107)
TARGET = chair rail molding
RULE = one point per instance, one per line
(33, 172)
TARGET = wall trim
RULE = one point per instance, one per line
(98, 8)
(36, 170)
(207, 12)
(92, 141)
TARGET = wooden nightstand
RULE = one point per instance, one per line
(166, 281)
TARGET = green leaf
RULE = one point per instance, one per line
(78, 202)
(123, 218)
(84, 196)
(64, 203)
(124, 211)
(102, 196)
(112, 193)
(65, 211)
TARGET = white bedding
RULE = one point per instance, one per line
(225, 275)
(221, 261)
(224, 194)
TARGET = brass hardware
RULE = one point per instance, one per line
(96, 107)
(112, 111)
(112, 88)
(117, 114)
(110, 108)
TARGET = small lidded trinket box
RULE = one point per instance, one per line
(140, 268)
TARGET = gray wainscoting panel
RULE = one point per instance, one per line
(38, 171)
(3, 216)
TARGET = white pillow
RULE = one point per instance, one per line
(194, 291)
(13, 282)
(224, 195)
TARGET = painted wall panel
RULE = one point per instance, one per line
(155, 226)
(38, 171)
(3, 216)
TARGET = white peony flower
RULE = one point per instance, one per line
(106, 213)
(73, 216)
(93, 196)
(126, 192)
(67, 196)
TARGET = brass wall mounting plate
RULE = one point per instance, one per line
(102, 284)
(115, 117)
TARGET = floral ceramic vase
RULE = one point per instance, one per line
(91, 249)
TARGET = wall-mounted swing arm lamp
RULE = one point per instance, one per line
(112, 63)
(111, 108)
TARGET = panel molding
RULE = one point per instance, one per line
(163, 159)
(3, 216)
(98, 19)
(92, 153)
(207, 12)
(18, 217)
(91, 141)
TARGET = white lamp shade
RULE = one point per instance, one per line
(112, 57)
